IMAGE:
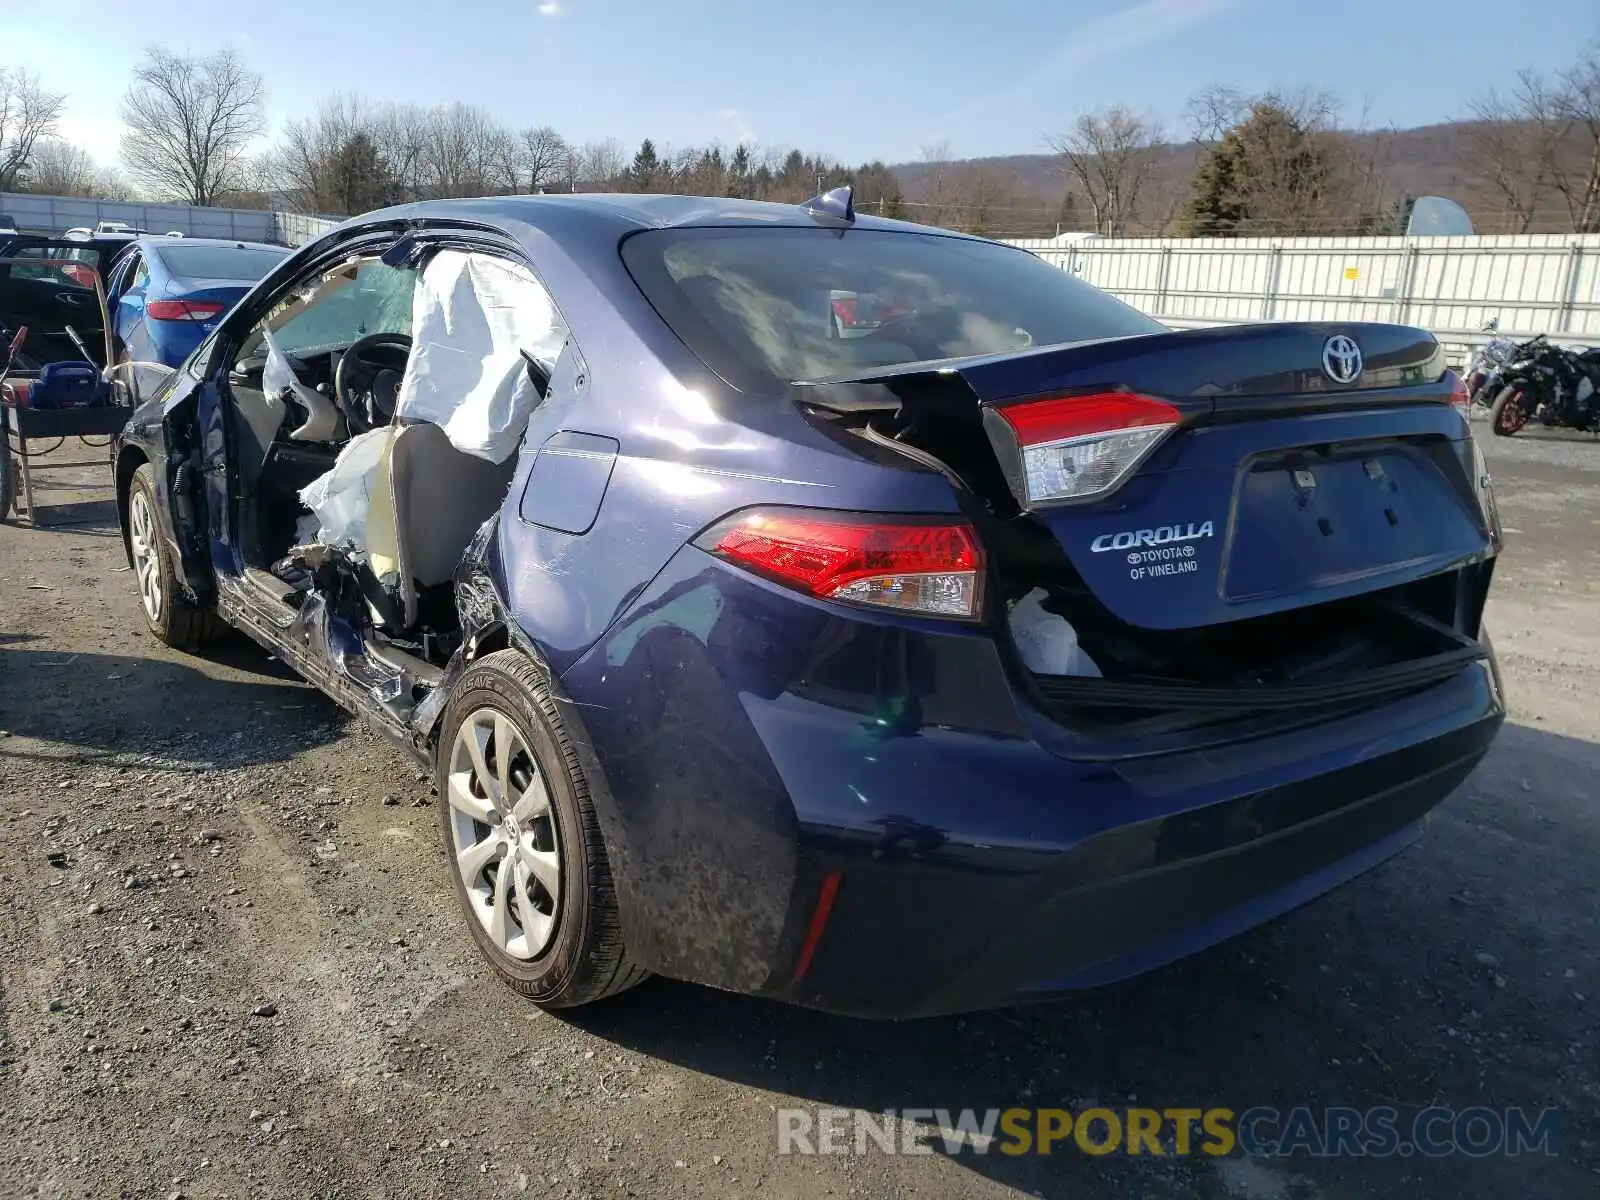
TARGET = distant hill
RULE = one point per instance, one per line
(1024, 192)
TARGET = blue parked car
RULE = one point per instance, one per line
(1012, 644)
(165, 294)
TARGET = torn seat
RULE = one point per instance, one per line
(428, 500)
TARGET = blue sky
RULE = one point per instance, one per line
(877, 78)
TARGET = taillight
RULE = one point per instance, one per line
(1080, 447)
(1460, 397)
(183, 310)
(927, 566)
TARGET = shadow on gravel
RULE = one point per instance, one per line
(93, 518)
(114, 704)
(1393, 991)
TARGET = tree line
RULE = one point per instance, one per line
(1270, 164)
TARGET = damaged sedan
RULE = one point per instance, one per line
(829, 608)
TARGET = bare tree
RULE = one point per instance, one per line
(401, 134)
(544, 153)
(27, 113)
(190, 120)
(1109, 154)
(306, 162)
(600, 164)
(1363, 158)
(464, 153)
(1213, 111)
(1536, 148)
(1575, 165)
(937, 204)
(61, 169)
(1509, 151)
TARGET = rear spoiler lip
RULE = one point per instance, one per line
(1305, 388)
(955, 366)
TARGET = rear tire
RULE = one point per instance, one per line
(1509, 412)
(521, 825)
(175, 619)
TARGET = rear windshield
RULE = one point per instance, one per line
(797, 304)
(220, 262)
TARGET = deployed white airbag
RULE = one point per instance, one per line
(473, 316)
(1047, 644)
(341, 498)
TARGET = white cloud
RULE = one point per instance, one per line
(1126, 29)
(743, 132)
(551, 8)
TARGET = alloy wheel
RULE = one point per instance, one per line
(146, 558)
(503, 833)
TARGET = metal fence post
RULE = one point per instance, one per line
(1269, 301)
(1569, 287)
(1408, 280)
(1161, 279)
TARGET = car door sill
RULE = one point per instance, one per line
(270, 623)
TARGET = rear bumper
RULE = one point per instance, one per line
(745, 748)
(1121, 902)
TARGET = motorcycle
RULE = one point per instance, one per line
(1547, 383)
(1483, 372)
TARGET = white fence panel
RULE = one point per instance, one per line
(57, 214)
(1539, 283)
(296, 229)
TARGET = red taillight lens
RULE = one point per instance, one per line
(183, 310)
(1460, 398)
(1081, 447)
(929, 567)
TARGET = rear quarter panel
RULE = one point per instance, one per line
(688, 450)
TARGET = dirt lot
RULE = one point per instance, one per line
(231, 964)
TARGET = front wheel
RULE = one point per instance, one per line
(172, 617)
(527, 858)
(1509, 412)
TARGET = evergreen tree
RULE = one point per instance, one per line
(1068, 219)
(1270, 175)
(356, 180)
(739, 173)
(642, 174)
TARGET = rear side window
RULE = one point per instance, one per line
(48, 264)
(220, 262)
(760, 305)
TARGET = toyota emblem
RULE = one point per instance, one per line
(1341, 358)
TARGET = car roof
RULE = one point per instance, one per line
(160, 243)
(630, 211)
(155, 246)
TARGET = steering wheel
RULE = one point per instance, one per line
(364, 388)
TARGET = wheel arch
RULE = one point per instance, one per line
(487, 627)
(129, 460)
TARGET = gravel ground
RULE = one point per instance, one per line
(231, 963)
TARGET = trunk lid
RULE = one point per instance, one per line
(1281, 487)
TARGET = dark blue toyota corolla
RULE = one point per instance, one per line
(829, 608)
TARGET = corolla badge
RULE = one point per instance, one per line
(1158, 535)
(1341, 358)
